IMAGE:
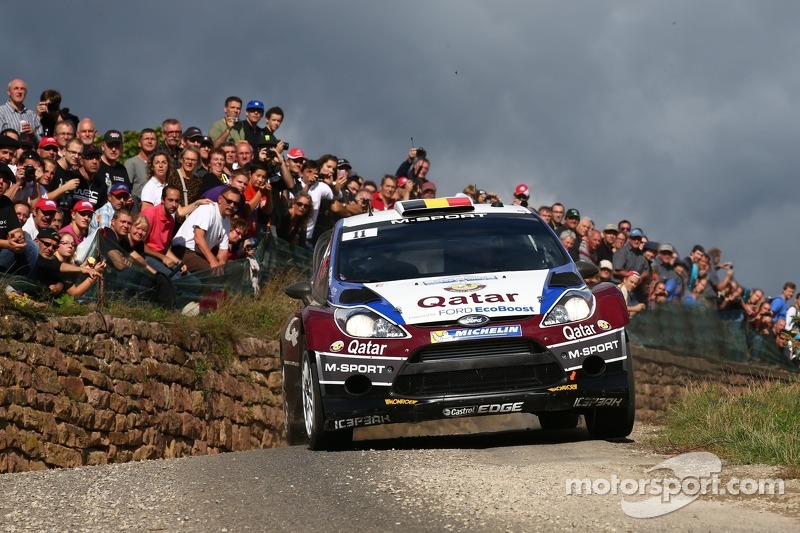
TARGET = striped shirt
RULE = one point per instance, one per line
(10, 118)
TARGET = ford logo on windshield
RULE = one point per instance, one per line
(473, 320)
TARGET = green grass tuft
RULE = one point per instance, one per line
(758, 426)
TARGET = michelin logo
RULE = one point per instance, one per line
(451, 335)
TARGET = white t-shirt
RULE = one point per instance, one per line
(790, 314)
(151, 192)
(318, 192)
(30, 228)
(206, 217)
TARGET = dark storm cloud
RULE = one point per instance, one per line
(681, 116)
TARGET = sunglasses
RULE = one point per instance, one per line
(305, 206)
(625, 228)
(49, 245)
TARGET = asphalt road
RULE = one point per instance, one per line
(508, 481)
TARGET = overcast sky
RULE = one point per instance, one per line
(681, 116)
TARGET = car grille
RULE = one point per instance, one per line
(448, 350)
(460, 368)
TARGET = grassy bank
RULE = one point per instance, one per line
(234, 318)
(761, 425)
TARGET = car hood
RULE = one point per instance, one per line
(440, 299)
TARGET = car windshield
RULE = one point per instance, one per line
(414, 249)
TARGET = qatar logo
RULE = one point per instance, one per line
(473, 320)
(465, 287)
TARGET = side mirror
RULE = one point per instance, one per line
(300, 290)
(586, 269)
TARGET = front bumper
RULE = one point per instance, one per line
(528, 379)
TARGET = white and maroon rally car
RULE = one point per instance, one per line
(440, 309)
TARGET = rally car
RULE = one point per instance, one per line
(440, 309)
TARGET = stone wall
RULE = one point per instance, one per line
(95, 390)
(661, 376)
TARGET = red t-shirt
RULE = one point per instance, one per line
(162, 228)
(378, 204)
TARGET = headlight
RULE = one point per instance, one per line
(365, 323)
(572, 307)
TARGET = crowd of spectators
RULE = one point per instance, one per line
(194, 201)
(650, 274)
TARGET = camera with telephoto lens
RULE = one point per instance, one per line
(30, 173)
(421, 153)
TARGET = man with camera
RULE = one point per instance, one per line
(415, 168)
(50, 113)
(29, 171)
(279, 178)
(229, 127)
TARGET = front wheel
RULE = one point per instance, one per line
(314, 415)
(292, 411)
(609, 422)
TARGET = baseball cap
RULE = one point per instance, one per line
(207, 141)
(82, 205)
(343, 163)
(630, 273)
(6, 173)
(118, 188)
(606, 264)
(48, 141)
(90, 150)
(255, 104)
(48, 233)
(636, 232)
(573, 213)
(650, 245)
(192, 132)
(522, 190)
(429, 186)
(666, 247)
(45, 204)
(8, 142)
(295, 153)
(29, 154)
(112, 136)
(611, 228)
(27, 141)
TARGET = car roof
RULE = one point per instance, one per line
(394, 214)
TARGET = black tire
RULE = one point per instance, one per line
(558, 420)
(293, 411)
(314, 415)
(609, 422)
(614, 422)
